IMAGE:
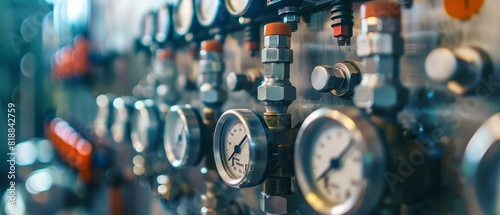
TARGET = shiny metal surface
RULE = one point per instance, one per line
(258, 138)
(191, 122)
(369, 141)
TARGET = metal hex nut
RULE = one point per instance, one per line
(279, 204)
(210, 95)
(270, 55)
(389, 96)
(379, 43)
(291, 18)
(281, 70)
(380, 24)
(276, 93)
(211, 66)
(214, 202)
(277, 41)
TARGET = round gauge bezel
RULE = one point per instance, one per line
(258, 138)
(123, 110)
(147, 109)
(201, 18)
(367, 140)
(105, 114)
(148, 28)
(183, 30)
(191, 121)
(246, 12)
(163, 24)
(480, 156)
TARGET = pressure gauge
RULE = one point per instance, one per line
(241, 142)
(184, 16)
(339, 162)
(123, 109)
(146, 126)
(244, 8)
(481, 166)
(148, 28)
(210, 12)
(105, 114)
(164, 24)
(182, 136)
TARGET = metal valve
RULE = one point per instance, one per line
(339, 79)
(248, 81)
(461, 69)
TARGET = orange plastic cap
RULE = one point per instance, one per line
(277, 28)
(211, 46)
(380, 9)
(165, 54)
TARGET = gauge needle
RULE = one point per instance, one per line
(237, 148)
(335, 162)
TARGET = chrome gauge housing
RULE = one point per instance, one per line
(163, 24)
(184, 17)
(339, 162)
(123, 111)
(481, 166)
(182, 136)
(146, 126)
(244, 8)
(210, 12)
(148, 28)
(241, 142)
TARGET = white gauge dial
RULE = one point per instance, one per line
(237, 6)
(207, 11)
(146, 126)
(179, 140)
(241, 141)
(182, 136)
(337, 167)
(120, 130)
(329, 162)
(163, 22)
(183, 16)
(237, 150)
(480, 167)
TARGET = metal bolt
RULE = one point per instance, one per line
(340, 79)
(236, 82)
(326, 78)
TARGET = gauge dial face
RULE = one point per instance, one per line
(241, 141)
(163, 22)
(237, 150)
(330, 163)
(147, 29)
(182, 136)
(207, 11)
(179, 140)
(336, 165)
(145, 126)
(237, 6)
(119, 129)
(184, 14)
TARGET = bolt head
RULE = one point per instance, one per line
(276, 93)
(279, 204)
(326, 78)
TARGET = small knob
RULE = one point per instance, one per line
(326, 78)
(236, 82)
(248, 81)
(461, 69)
(277, 28)
(339, 79)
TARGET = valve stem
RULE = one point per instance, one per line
(342, 21)
(252, 39)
